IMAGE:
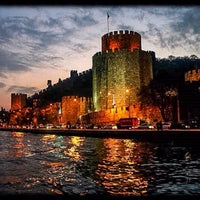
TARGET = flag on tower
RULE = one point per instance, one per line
(108, 15)
(108, 21)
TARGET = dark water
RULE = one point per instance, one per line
(53, 164)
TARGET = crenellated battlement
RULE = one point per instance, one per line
(121, 40)
(120, 32)
(85, 72)
(18, 94)
(192, 75)
(74, 98)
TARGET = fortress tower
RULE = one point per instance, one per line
(18, 101)
(120, 70)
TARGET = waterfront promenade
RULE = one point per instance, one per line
(187, 135)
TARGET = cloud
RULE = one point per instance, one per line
(124, 27)
(22, 89)
(178, 29)
(2, 75)
(2, 85)
(10, 61)
(28, 42)
(187, 29)
(188, 22)
(83, 18)
(49, 36)
(24, 42)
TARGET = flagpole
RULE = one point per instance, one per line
(108, 21)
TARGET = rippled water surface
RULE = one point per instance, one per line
(52, 164)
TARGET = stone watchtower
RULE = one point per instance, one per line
(120, 70)
(18, 101)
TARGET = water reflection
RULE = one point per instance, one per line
(18, 144)
(21, 146)
(48, 138)
(73, 150)
(118, 171)
(61, 162)
(46, 164)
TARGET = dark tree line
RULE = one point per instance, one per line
(77, 85)
(168, 87)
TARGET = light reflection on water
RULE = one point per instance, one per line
(74, 165)
(117, 170)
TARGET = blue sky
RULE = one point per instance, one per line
(41, 43)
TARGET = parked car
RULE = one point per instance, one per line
(42, 126)
(98, 126)
(193, 123)
(128, 123)
(110, 126)
(49, 126)
(179, 126)
(166, 125)
(145, 126)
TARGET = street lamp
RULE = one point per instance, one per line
(128, 92)
(113, 99)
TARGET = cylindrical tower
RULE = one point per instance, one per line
(120, 70)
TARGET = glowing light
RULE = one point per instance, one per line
(47, 138)
(73, 151)
(19, 145)
(118, 170)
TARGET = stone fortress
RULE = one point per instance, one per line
(119, 71)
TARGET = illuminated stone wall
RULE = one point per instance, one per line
(18, 101)
(52, 113)
(119, 74)
(193, 75)
(73, 107)
(150, 114)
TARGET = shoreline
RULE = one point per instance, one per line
(184, 135)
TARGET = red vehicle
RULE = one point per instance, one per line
(128, 123)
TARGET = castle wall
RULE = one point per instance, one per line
(73, 107)
(150, 114)
(193, 75)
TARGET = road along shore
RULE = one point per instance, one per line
(181, 135)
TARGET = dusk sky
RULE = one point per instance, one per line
(43, 43)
